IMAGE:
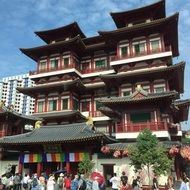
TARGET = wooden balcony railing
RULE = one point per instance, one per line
(143, 53)
(72, 65)
(95, 114)
(136, 127)
(92, 70)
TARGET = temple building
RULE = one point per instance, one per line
(12, 123)
(93, 91)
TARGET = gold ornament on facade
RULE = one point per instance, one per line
(38, 124)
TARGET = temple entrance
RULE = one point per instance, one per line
(108, 173)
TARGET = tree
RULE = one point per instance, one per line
(148, 152)
(86, 165)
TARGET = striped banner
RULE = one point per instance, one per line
(52, 157)
(30, 158)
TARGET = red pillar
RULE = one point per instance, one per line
(148, 45)
(39, 168)
(20, 167)
(35, 105)
(46, 103)
(68, 167)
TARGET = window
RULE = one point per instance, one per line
(75, 104)
(52, 105)
(85, 65)
(155, 45)
(98, 105)
(54, 63)
(146, 88)
(139, 48)
(65, 102)
(123, 51)
(159, 89)
(66, 62)
(126, 92)
(100, 63)
(140, 117)
(40, 107)
(85, 106)
(42, 65)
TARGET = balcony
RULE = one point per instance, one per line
(96, 114)
(72, 65)
(93, 70)
(137, 127)
(134, 57)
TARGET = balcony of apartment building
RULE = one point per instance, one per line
(141, 50)
(56, 65)
(162, 129)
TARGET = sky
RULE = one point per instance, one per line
(21, 18)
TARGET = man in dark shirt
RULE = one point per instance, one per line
(124, 179)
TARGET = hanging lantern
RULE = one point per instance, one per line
(117, 154)
(125, 153)
(105, 149)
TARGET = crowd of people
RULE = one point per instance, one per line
(80, 182)
(123, 184)
(52, 182)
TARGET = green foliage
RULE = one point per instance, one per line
(86, 165)
(148, 152)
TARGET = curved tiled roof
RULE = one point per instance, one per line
(57, 33)
(74, 85)
(157, 8)
(130, 99)
(154, 73)
(168, 25)
(109, 112)
(11, 112)
(36, 52)
(123, 146)
(61, 114)
(56, 134)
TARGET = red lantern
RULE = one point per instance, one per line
(117, 154)
(105, 149)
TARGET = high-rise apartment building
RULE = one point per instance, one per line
(8, 93)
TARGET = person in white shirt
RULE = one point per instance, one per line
(115, 182)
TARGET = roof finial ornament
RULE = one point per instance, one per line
(38, 124)
(139, 87)
(90, 122)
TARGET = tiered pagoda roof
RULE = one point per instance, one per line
(75, 44)
(153, 11)
(139, 96)
(59, 34)
(9, 114)
(174, 73)
(168, 26)
(60, 134)
(62, 116)
(75, 85)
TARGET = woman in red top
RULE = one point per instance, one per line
(67, 182)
